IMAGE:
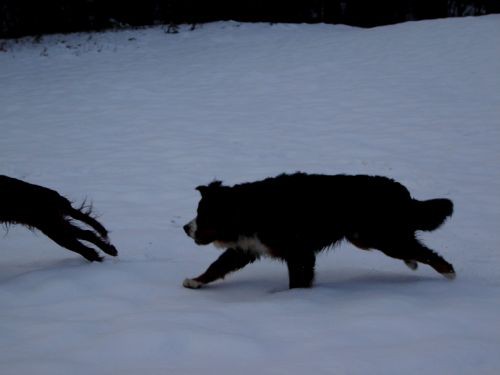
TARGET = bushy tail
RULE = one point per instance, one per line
(429, 215)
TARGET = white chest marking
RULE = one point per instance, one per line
(250, 244)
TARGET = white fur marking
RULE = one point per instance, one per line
(192, 284)
(192, 228)
(250, 244)
(412, 264)
(450, 275)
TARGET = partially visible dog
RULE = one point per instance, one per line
(44, 209)
(293, 217)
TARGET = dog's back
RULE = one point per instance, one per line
(338, 202)
(24, 202)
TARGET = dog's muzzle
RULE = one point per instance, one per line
(190, 228)
(200, 237)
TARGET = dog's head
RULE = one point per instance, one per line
(213, 220)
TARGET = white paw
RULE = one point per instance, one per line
(450, 275)
(413, 265)
(192, 284)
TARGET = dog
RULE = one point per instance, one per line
(38, 207)
(292, 217)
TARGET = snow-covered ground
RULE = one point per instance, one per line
(134, 120)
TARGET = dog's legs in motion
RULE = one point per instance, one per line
(231, 260)
(38, 207)
(301, 270)
(67, 235)
(78, 214)
(64, 235)
(427, 256)
(89, 236)
(411, 251)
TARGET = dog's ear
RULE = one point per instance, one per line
(209, 188)
(215, 184)
(202, 189)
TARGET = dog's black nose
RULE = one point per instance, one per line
(186, 229)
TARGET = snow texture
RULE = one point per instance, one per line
(134, 120)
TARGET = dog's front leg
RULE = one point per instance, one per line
(301, 269)
(231, 260)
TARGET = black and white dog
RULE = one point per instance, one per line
(38, 207)
(293, 217)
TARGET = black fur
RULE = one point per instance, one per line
(44, 209)
(296, 216)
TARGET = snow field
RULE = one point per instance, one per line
(134, 120)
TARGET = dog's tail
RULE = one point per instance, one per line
(429, 215)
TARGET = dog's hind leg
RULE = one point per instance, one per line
(231, 260)
(301, 269)
(410, 250)
(427, 256)
(360, 242)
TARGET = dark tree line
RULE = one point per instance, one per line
(37, 17)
